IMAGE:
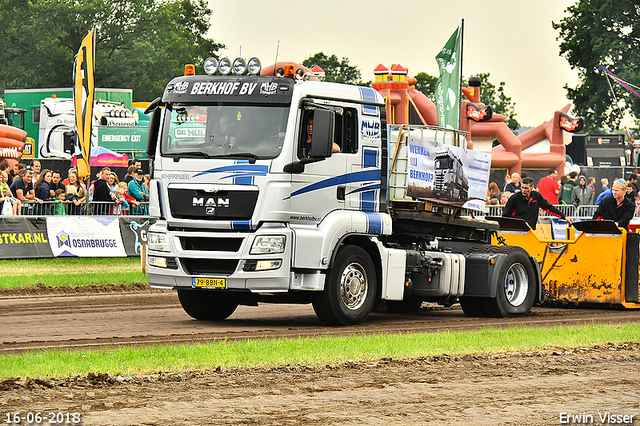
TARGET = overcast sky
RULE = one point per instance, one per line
(511, 39)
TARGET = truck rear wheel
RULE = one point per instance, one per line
(207, 305)
(472, 306)
(516, 287)
(350, 289)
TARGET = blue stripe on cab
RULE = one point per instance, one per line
(374, 224)
(370, 158)
(368, 201)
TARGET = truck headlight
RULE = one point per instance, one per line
(158, 242)
(268, 244)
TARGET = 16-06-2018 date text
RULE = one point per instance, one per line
(41, 418)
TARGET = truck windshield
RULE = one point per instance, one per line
(224, 130)
(443, 163)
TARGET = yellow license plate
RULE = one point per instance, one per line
(209, 282)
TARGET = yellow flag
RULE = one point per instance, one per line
(83, 85)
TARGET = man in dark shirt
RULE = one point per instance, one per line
(22, 187)
(101, 190)
(55, 184)
(525, 204)
(617, 208)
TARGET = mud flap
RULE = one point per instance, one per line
(540, 295)
(631, 267)
(481, 272)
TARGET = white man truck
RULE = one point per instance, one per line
(246, 216)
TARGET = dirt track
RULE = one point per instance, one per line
(516, 389)
(86, 317)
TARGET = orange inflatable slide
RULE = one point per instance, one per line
(12, 141)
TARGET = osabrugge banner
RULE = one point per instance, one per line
(90, 236)
(72, 236)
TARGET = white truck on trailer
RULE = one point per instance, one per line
(245, 217)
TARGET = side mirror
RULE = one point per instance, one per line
(154, 129)
(322, 137)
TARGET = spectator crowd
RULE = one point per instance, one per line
(29, 188)
(572, 189)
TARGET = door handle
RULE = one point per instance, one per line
(341, 192)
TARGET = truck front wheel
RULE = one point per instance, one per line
(207, 305)
(350, 289)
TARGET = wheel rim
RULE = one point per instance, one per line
(353, 286)
(516, 285)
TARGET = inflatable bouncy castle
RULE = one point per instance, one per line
(542, 147)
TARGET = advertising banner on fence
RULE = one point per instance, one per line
(447, 174)
(134, 233)
(90, 236)
(20, 238)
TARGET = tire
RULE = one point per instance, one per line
(207, 305)
(472, 306)
(349, 289)
(516, 287)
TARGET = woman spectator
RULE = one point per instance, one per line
(493, 192)
(42, 191)
(113, 184)
(80, 191)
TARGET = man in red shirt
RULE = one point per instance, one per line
(549, 187)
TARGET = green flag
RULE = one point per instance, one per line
(448, 86)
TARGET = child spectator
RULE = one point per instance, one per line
(121, 203)
(72, 197)
(59, 207)
(5, 193)
(132, 201)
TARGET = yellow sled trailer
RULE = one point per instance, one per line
(597, 263)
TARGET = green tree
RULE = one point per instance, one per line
(602, 32)
(140, 44)
(335, 70)
(426, 84)
(499, 101)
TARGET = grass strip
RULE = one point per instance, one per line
(71, 272)
(307, 351)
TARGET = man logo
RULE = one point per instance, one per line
(63, 239)
(210, 202)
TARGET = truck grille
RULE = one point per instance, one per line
(209, 266)
(211, 244)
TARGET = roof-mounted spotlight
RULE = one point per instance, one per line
(280, 72)
(300, 74)
(224, 66)
(239, 66)
(254, 66)
(210, 65)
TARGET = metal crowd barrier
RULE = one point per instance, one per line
(586, 212)
(93, 208)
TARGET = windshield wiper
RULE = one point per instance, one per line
(249, 155)
(178, 155)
